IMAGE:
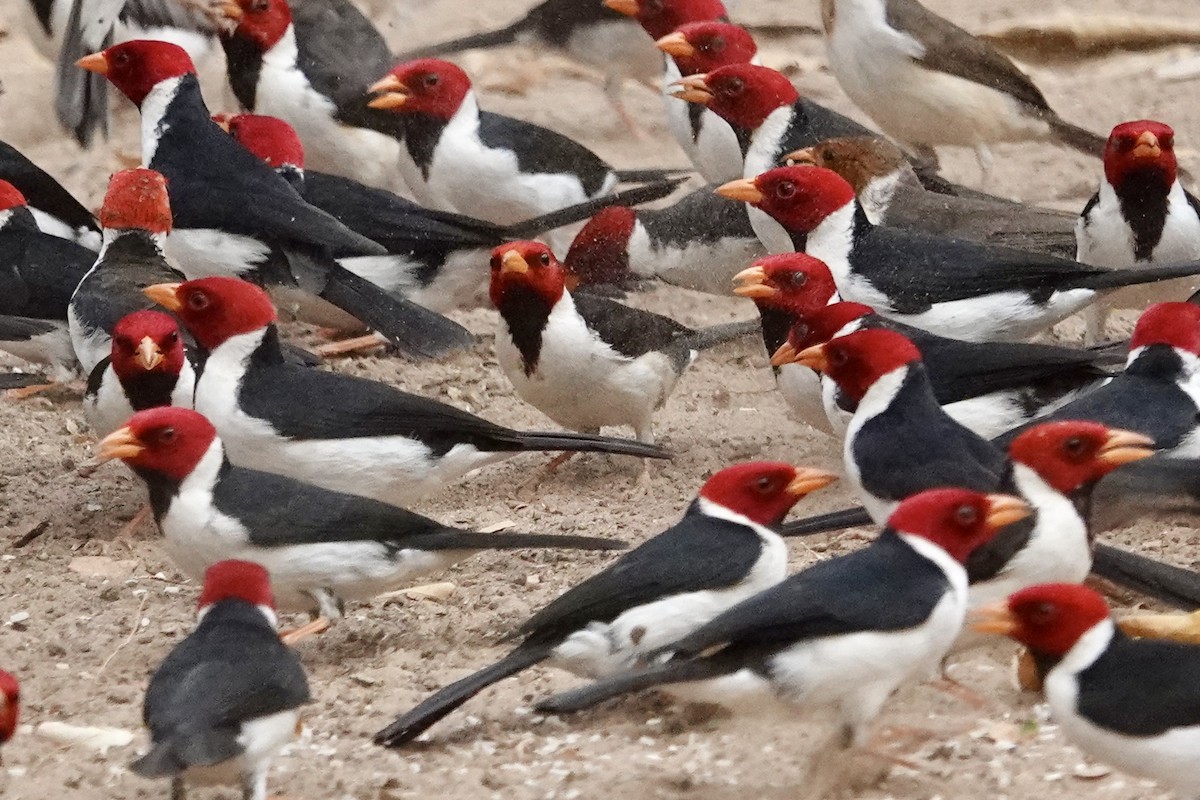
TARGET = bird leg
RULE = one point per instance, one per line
(613, 84)
(955, 688)
(346, 347)
(130, 528)
(1184, 628)
(1095, 319)
(329, 608)
(26, 392)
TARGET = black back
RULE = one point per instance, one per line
(38, 272)
(113, 289)
(541, 150)
(700, 217)
(41, 190)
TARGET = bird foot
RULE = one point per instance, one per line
(527, 491)
(347, 347)
(26, 392)
(296, 635)
(1027, 672)
(1183, 628)
(212, 10)
(130, 528)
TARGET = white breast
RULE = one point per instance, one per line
(205, 252)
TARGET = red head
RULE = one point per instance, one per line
(704, 46)
(236, 580)
(744, 95)
(167, 441)
(144, 342)
(798, 198)
(856, 361)
(1048, 619)
(1173, 324)
(599, 253)
(816, 328)
(660, 17)
(425, 86)
(215, 309)
(138, 66)
(1073, 454)
(1143, 149)
(957, 520)
(10, 705)
(763, 491)
(793, 282)
(270, 138)
(10, 196)
(263, 22)
(526, 267)
(137, 200)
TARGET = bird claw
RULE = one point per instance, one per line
(296, 635)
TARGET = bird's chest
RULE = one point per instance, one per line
(197, 534)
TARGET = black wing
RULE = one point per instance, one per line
(697, 553)
(41, 190)
(1142, 687)
(701, 217)
(813, 123)
(131, 263)
(632, 332)
(38, 272)
(541, 150)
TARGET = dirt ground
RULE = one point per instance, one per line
(83, 635)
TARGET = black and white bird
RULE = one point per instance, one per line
(964, 290)
(233, 215)
(322, 548)
(336, 431)
(227, 698)
(585, 361)
(1140, 215)
(55, 209)
(721, 552)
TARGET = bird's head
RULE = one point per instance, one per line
(215, 309)
(167, 441)
(10, 705)
(660, 17)
(763, 491)
(1140, 149)
(137, 199)
(817, 328)
(856, 361)
(798, 198)
(237, 580)
(528, 269)
(704, 46)
(1175, 325)
(146, 342)
(260, 22)
(744, 95)
(425, 86)
(137, 66)
(1072, 454)
(270, 138)
(957, 520)
(10, 196)
(858, 159)
(793, 282)
(599, 253)
(1048, 619)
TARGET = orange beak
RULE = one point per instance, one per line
(121, 443)
(148, 355)
(231, 10)
(1147, 147)
(742, 189)
(808, 480)
(395, 93)
(676, 44)
(753, 284)
(995, 618)
(629, 8)
(96, 62)
(811, 357)
(1122, 447)
(1004, 509)
(513, 262)
(693, 88)
(786, 354)
(165, 294)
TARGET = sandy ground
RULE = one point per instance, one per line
(84, 635)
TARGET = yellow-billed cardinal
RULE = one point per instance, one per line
(891, 193)
(456, 157)
(321, 547)
(55, 209)
(310, 63)
(965, 290)
(147, 368)
(695, 49)
(228, 697)
(846, 632)
(925, 81)
(435, 258)
(1141, 214)
(694, 243)
(1132, 703)
(10, 705)
(234, 216)
(585, 361)
(722, 551)
(339, 432)
(40, 271)
(136, 219)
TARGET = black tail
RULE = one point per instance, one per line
(1173, 585)
(19, 380)
(1077, 138)
(1117, 278)
(584, 697)
(589, 443)
(410, 725)
(824, 523)
(527, 229)
(496, 38)
(1158, 486)
(455, 539)
(650, 175)
(81, 100)
(713, 335)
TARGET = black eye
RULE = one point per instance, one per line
(785, 190)
(651, 7)
(801, 330)
(966, 516)
(799, 279)
(733, 86)
(121, 58)
(260, 5)
(544, 259)
(431, 80)
(124, 342)
(764, 485)
(715, 44)
(1075, 446)
(171, 338)
(1042, 614)
(166, 435)
(197, 301)
(837, 356)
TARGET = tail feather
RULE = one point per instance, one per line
(527, 229)
(650, 175)
(1117, 278)
(496, 38)
(584, 697)
(410, 725)
(589, 443)
(454, 539)
(188, 748)
(1176, 586)
(824, 523)
(1077, 138)
(19, 380)
(704, 338)
(1158, 486)
(81, 101)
